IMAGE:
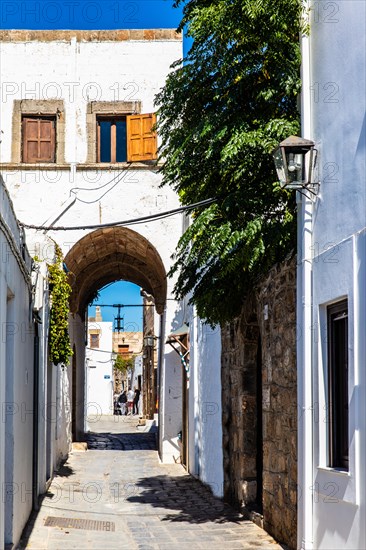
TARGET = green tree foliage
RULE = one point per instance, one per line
(124, 364)
(59, 341)
(221, 114)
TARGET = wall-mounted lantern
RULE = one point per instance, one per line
(149, 341)
(295, 160)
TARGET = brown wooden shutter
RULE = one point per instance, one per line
(141, 140)
(38, 140)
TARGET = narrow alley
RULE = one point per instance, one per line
(117, 495)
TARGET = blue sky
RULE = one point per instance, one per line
(124, 293)
(88, 14)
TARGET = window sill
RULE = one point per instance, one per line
(336, 471)
(16, 166)
(105, 166)
(39, 166)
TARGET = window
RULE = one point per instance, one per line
(112, 139)
(124, 349)
(126, 138)
(38, 139)
(38, 131)
(338, 384)
(94, 340)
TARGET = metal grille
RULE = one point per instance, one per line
(76, 523)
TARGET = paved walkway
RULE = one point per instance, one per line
(117, 495)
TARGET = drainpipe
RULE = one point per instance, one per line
(35, 417)
(304, 339)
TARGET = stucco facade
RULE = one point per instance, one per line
(16, 376)
(99, 368)
(332, 256)
(92, 74)
(206, 406)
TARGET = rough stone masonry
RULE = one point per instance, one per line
(260, 404)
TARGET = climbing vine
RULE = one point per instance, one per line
(59, 341)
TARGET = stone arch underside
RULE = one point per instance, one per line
(111, 254)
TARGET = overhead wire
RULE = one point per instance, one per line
(116, 180)
(132, 221)
(100, 186)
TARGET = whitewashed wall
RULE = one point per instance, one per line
(170, 404)
(16, 378)
(98, 367)
(205, 410)
(107, 195)
(78, 72)
(336, 100)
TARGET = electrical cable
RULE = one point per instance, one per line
(151, 217)
(14, 247)
(120, 176)
(123, 305)
(101, 186)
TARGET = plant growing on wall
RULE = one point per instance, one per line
(60, 290)
(220, 115)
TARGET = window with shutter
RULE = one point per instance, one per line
(126, 138)
(39, 143)
(141, 139)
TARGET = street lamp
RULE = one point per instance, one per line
(149, 341)
(295, 160)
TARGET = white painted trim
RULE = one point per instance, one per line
(305, 344)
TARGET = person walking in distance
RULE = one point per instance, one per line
(130, 398)
(136, 401)
(122, 401)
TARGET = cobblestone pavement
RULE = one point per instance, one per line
(117, 495)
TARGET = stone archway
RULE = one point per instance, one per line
(112, 254)
(101, 257)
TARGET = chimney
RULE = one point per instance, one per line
(98, 314)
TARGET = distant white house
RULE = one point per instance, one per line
(99, 366)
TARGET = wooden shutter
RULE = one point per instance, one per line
(38, 140)
(141, 140)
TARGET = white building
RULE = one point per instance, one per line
(331, 284)
(99, 367)
(17, 376)
(195, 387)
(78, 151)
(33, 405)
(205, 408)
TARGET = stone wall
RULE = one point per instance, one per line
(260, 404)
